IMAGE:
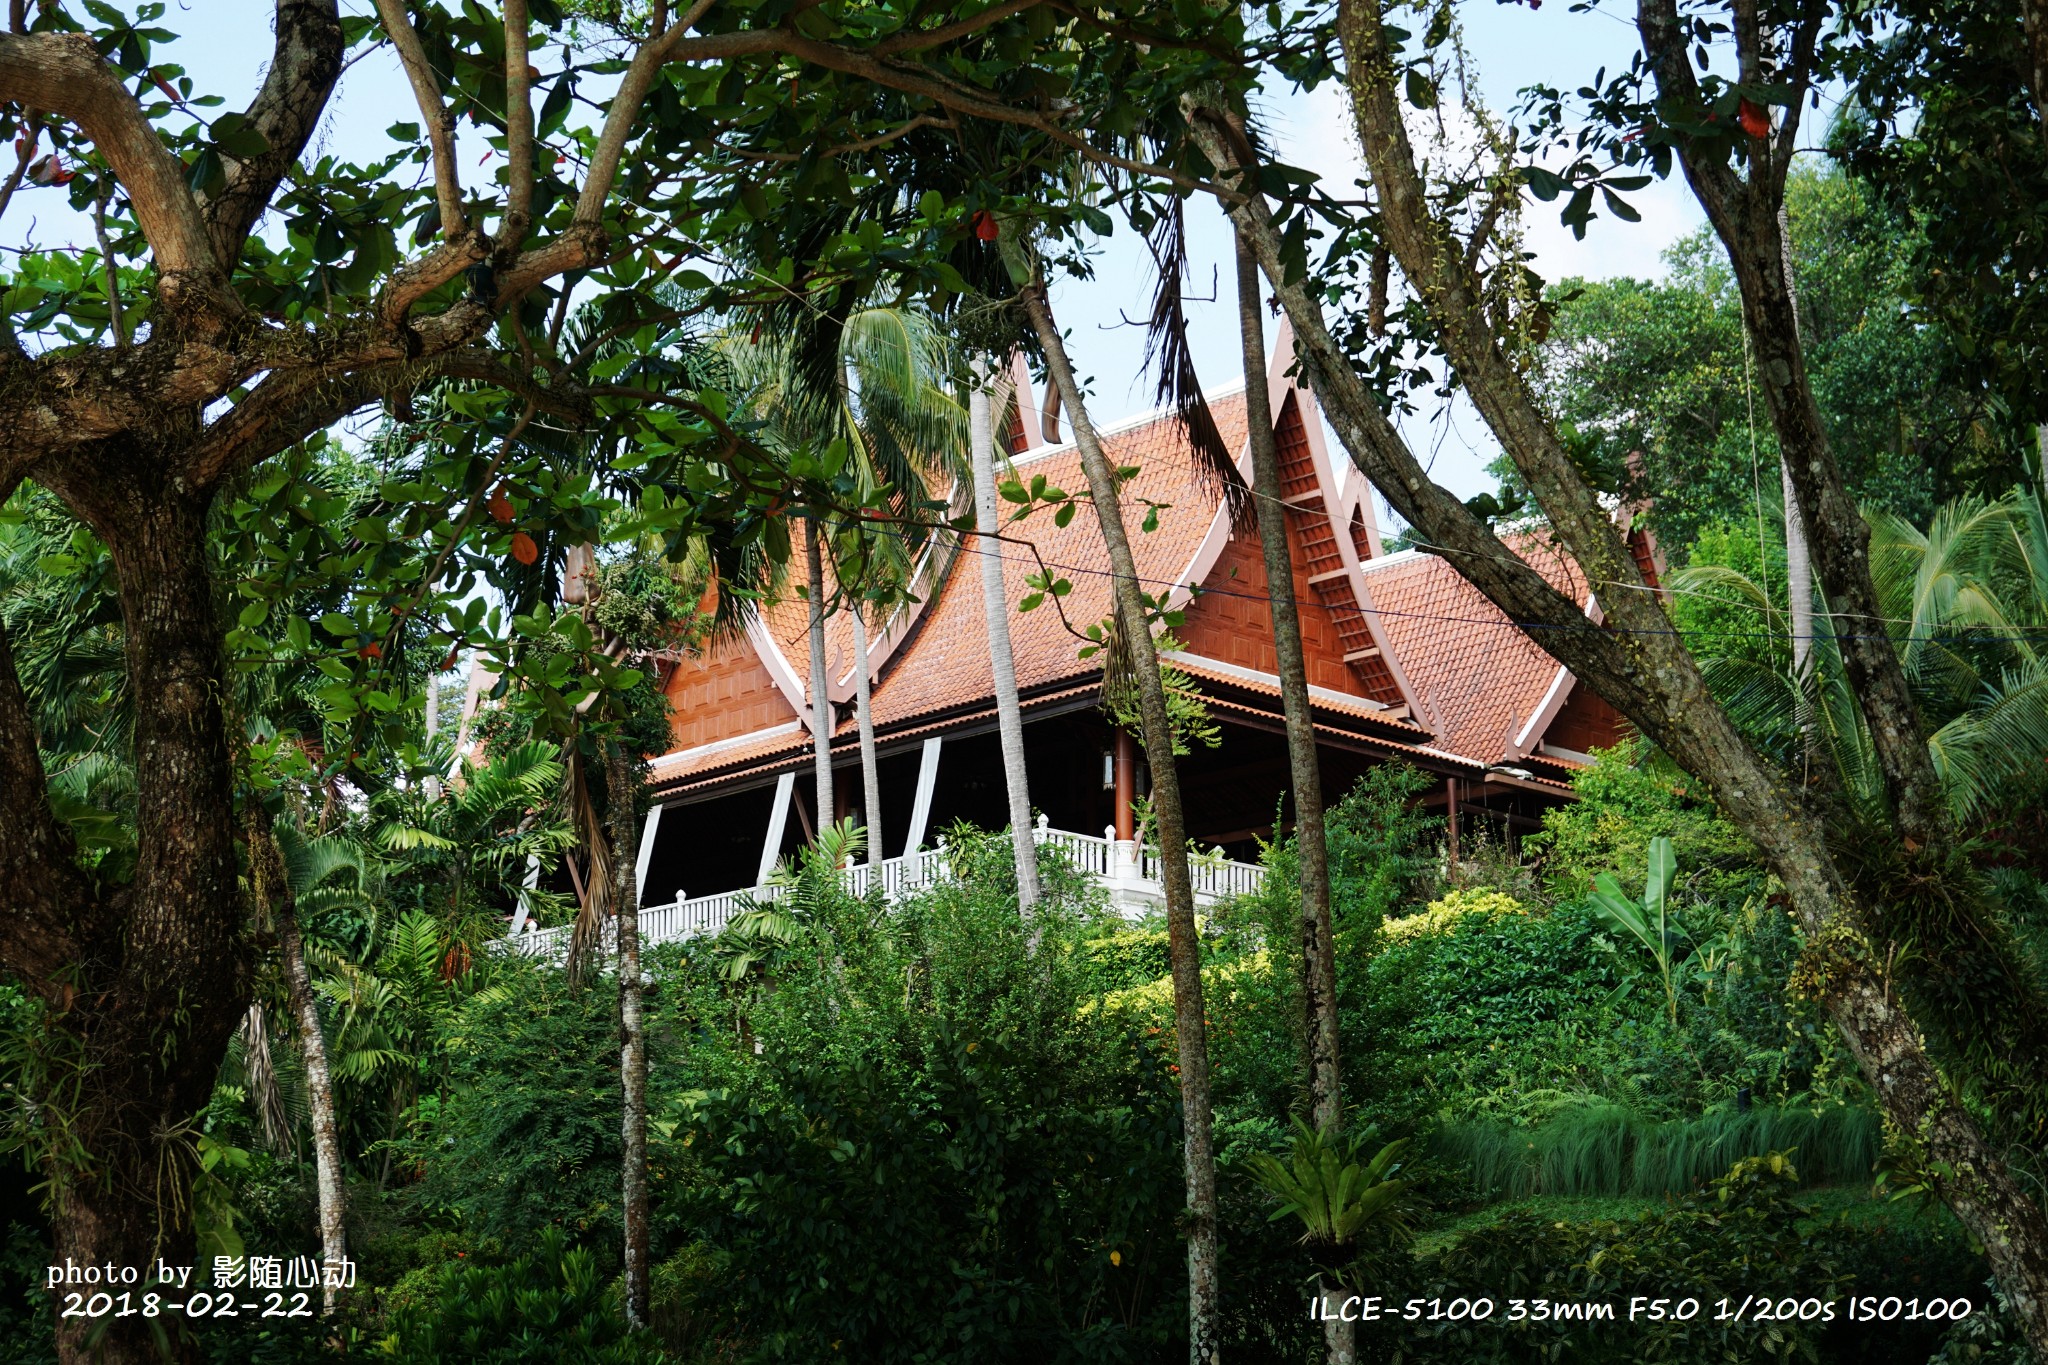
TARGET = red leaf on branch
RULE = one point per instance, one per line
(1753, 119)
(523, 548)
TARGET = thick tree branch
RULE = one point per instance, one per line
(62, 73)
(1431, 257)
(912, 80)
(439, 123)
(922, 40)
(1785, 141)
(303, 69)
(421, 276)
(518, 129)
(56, 403)
(289, 407)
(1678, 96)
(1744, 215)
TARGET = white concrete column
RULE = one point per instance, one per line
(646, 855)
(927, 780)
(778, 820)
(523, 906)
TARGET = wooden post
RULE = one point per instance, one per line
(1451, 824)
(1126, 761)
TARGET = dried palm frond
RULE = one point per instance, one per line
(1166, 340)
(280, 1134)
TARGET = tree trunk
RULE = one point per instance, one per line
(995, 610)
(1798, 579)
(1205, 1345)
(1318, 948)
(160, 968)
(1648, 677)
(1318, 937)
(1798, 565)
(274, 886)
(327, 1164)
(625, 840)
(821, 704)
(870, 769)
(2041, 462)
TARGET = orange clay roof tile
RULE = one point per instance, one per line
(1479, 675)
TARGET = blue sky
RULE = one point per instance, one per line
(227, 42)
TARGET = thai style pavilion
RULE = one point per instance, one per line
(1406, 662)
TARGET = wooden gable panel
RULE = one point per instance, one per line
(1585, 723)
(722, 694)
(1231, 620)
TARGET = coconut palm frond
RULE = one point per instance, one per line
(1722, 582)
(1966, 602)
(1995, 755)
(329, 863)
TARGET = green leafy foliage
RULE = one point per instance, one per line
(547, 1306)
(1650, 920)
(1333, 1187)
(1744, 1235)
(1655, 377)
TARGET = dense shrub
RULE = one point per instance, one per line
(987, 1214)
(1628, 797)
(540, 1309)
(929, 1141)
(1745, 1236)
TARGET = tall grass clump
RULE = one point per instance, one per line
(1602, 1148)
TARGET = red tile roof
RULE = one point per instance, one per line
(1478, 677)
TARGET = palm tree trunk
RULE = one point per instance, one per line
(1318, 942)
(327, 1167)
(2041, 462)
(995, 610)
(319, 1103)
(625, 840)
(1798, 564)
(1318, 949)
(821, 705)
(1205, 1345)
(870, 772)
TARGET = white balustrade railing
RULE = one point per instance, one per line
(1129, 872)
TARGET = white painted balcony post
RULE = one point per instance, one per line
(646, 854)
